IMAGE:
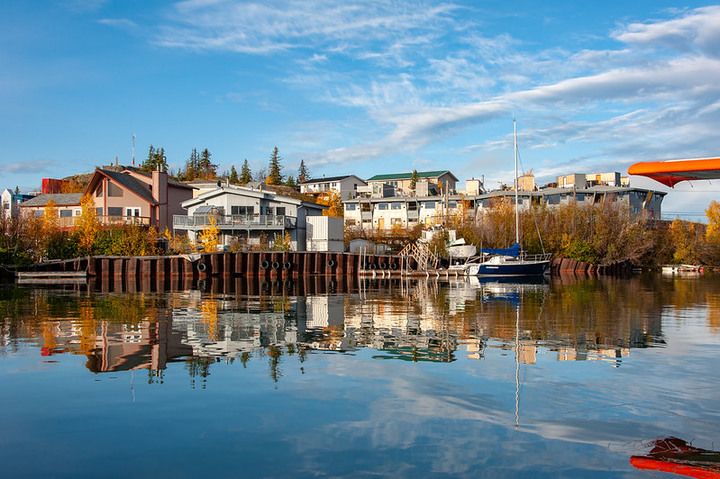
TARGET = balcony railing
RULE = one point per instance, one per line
(230, 221)
(106, 220)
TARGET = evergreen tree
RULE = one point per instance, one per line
(233, 175)
(156, 160)
(192, 168)
(245, 173)
(303, 173)
(206, 167)
(274, 176)
(414, 179)
(290, 182)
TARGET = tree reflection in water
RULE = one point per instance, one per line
(579, 318)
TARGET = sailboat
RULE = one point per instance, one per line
(509, 261)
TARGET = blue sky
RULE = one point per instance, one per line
(362, 87)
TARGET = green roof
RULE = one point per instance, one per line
(407, 176)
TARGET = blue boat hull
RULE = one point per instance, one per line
(520, 268)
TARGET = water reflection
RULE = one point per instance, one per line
(577, 319)
(385, 377)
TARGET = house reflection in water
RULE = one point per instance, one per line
(146, 345)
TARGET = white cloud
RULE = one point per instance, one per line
(698, 30)
(24, 167)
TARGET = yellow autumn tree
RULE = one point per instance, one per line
(683, 241)
(282, 243)
(209, 238)
(334, 203)
(713, 216)
(50, 217)
(87, 224)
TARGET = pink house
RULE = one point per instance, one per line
(132, 197)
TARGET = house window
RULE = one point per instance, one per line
(429, 205)
(99, 211)
(351, 207)
(382, 206)
(38, 213)
(114, 210)
(452, 204)
(114, 190)
(99, 191)
(132, 211)
(65, 213)
(242, 210)
(412, 206)
(397, 221)
(280, 211)
(396, 206)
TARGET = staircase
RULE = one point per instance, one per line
(425, 258)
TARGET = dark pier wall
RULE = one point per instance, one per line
(265, 265)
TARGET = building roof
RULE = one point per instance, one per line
(171, 182)
(407, 176)
(60, 199)
(126, 181)
(329, 178)
(250, 192)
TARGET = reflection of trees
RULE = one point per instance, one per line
(411, 320)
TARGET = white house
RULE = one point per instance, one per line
(11, 203)
(347, 186)
(246, 214)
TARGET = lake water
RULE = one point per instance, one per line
(395, 378)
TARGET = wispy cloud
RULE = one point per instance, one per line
(262, 28)
(122, 23)
(435, 74)
(27, 167)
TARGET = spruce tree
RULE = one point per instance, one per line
(303, 173)
(206, 167)
(245, 173)
(156, 160)
(290, 182)
(233, 175)
(274, 176)
(414, 179)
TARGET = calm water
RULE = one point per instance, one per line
(391, 379)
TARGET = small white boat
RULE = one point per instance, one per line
(461, 250)
(682, 269)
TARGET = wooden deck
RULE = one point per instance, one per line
(51, 277)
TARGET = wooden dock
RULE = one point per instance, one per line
(51, 277)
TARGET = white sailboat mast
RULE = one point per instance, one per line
(517, 218)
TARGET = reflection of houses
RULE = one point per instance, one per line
(147, 345)
(346, 186)
(228, 333)
(247, 214)
(132, 197)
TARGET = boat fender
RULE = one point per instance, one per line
(201, 266)
(393, 266)
(275, 265)
(383, 265)
(331, 262)
(371, 266)
(287, 265)
(264, 264)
